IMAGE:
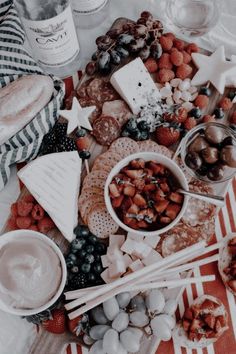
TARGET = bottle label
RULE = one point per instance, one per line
(54, 42)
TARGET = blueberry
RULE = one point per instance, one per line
(144, 135)
(100, 248)
(81, 230)
(72, 257)
(137, 135)
(131, 126)
(219, 113)
(196, 113)
(75, 269)
(205, 91)
(97, 267)
(89, 258)
(97, 257)
(89, 249)
(231, 95)
(84, 155)
(82, 253)
(78, 243)
(69, 263)
(91, 277)
(125, 133)
(92, 239)
(85, 267)
(143, 125)
(81, 133)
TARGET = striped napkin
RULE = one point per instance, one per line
(14, 63)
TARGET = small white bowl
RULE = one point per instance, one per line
(147, 156)
(34, 235)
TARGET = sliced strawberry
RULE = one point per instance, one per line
(209, 305)
(196, 310)
(116, 202)
(129, 191)
(137, 163)
(134, 173)
(176, 197)
(173, 210)
(148, 172)
(134, 209)
(210, 320)
(159, 195)
(156, 168)
(139, 200)
(114, 192)
(209, 333)
(218, 326)
(165, 220)
(126, 203)
(196, 325)
(142, 224)
(139, 183)
(222, 320)
(149, 187)
(165, 188)
(161, 206)
(232, 285)
(131, 222)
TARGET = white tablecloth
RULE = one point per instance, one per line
(15, 334)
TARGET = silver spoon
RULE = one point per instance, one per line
(209, 198)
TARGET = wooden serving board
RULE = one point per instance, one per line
(47, 343)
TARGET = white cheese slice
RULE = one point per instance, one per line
(54, 181)
(135, 85)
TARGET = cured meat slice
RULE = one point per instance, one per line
(82, 90)
(117, 109)
(106, 130)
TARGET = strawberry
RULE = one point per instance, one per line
(23, 222)
(37, 212)
(57, 324)
(181, 115)
(210, 320)
(192, 48)
(116, 202)
(74, 325)
(176, 197)
(167, 136)
(177, 58)
(45, 225)
(129, 191)
(161, 206)
(24, 208)
(114, 192)
(173, 210)
(134, 209)
(166, 42)
(151, 65)
(139, 200)
(165, 220)
(14, 210)
(183, 71)
(226, 104)
(201, 101)
(179, 44)
(190, 123)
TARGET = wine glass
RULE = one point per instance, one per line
(193, 17)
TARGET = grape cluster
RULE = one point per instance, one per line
(84, 260)
(136, 130)
(139, 38)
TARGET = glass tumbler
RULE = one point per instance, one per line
(193, 17)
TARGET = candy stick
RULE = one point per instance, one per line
(132, 278)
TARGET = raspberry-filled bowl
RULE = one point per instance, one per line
(208, 152)
(33, 272)
(141, 193)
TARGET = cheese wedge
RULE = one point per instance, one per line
(54, 181)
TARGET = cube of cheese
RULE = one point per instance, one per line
(152, 257)
(135, 85)
(105, 276)
(134, 236)
(105, 261)
(117, 268)
(141, 250)
(152, 240)
(136, 265)
(116, 240)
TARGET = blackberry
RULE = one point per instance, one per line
(78, 281)
(61, 130)
(66, 144)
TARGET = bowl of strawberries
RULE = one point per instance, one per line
(141, 193)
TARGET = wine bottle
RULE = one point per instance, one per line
(51, 33)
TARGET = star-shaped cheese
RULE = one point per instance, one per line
(77, 117)
(214, 68)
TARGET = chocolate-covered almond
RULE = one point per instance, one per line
(198, 144)
(210, 155)
(216, 173)
(214, 135)
(228, 155)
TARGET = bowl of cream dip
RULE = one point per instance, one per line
(32, 272)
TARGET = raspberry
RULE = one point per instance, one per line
(164, 62)
(201, 101)
(226, 104)
(28, 199)
(14, 211)
(166, 75)
(24, 208)
(82, 143)
(166, 43)
(233, 118)
(170, 35)
(11, 224)
(33, 228)
(190, 123)
(208, 119)
(186, 57)
(45, 225)
(151, 65)
(192, 48)
(37, 212)
(183, 71)
(23, 222)
(179, 44)
(176, 58)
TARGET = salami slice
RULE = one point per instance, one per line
(102, 91)
(117, 109)
(82, 90)
(106, 130)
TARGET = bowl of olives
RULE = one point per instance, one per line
(209, 152)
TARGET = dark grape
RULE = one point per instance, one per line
(145, 53)
(231, 95)
(144, 135)
(81, 230)
(219, 113)
(139, 31)
(115, 57)
(104, 63)
(147, 15)
(156, 50)
(78, 243)
(103, 42)
(125, 133)
(94, 56)
(143, 125)
(122, 52)
(157, 25)
(137, 135)
(91, 68)
(124, 39)
(114, 33)
(136, 45)
(142, 21)
(196, 113)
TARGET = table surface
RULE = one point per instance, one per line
(225, 223)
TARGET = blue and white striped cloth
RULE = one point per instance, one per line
(15, 62)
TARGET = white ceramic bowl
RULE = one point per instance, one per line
(16, 235)
(147, 156)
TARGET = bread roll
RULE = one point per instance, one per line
(20, 101)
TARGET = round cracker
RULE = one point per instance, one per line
(180, 335)
(96, 174)
(88, 204)
(124, 147)
(109, 159)
(101, 167)
(89, 192)
(94, 182)
(151, 146)
(100, 222)
(224, 260)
